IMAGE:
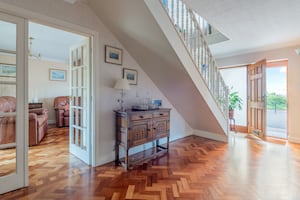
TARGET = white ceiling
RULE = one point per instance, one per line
(53, 44)
(251, 25)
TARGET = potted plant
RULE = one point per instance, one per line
(234, 102)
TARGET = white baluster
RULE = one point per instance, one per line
(172, 10)
(198, 48)
(177, 14)
(191, 32)
(187, 27)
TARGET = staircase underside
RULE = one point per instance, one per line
(136, 28)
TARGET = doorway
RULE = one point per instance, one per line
(276, 93)
(18, 177)
(59, 73)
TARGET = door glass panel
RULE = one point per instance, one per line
(8, 95)
(79, 104)
(276, 101)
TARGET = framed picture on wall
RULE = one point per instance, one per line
(8, 70)
(57, 75)
(130, 75)
(113, 55)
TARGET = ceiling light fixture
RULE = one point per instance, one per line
(30, 53)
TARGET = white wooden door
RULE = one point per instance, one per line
(80, 131)
(13, 88)
(257, 98)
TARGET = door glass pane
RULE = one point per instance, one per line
(276, 102)
(78, 93)
(7, 98)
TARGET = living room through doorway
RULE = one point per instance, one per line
(49, 72)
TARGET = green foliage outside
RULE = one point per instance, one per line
(276, 101)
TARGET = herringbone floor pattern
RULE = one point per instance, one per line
(195, 168)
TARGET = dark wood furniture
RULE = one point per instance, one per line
(134, 128)
(35, 105)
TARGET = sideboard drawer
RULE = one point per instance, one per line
(139, 116)
(161, 114)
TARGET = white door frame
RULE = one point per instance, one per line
(19, 179)
(57, 23)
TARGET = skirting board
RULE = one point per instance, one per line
(111, 157)
(51, 121)
(212, 136)
(241, 129)
(105, 159)
(294, 139)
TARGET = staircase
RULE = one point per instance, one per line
(188, 28)
(164, 37)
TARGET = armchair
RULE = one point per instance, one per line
(37, 127)
(62, 110)
(62, 113)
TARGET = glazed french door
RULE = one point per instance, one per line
(257, 98)
(80, 135)
(13, 89)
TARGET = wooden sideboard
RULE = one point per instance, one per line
(134, 128)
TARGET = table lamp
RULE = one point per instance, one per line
(122, 84)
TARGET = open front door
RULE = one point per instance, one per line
(13, 112)
(256, 98)
(80, 135)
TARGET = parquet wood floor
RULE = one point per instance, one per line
(195, 168)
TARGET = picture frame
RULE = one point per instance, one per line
(57, 74)
(131, 75)
(8, 70)
(113, 55)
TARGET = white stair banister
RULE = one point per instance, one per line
(189, 27)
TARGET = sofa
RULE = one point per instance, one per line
(37, 126)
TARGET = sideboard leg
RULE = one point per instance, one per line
(126, 159)
(168, 139)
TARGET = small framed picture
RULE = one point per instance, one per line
(130, 75)
(113, 55)
(57, 75)
(7, 70)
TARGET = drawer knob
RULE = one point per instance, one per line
(141, 116)
(161, 114)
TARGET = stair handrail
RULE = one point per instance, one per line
(188, 27)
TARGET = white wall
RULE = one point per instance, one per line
(105, 74)
(293, 81)
(236, 78)
(39, 85)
